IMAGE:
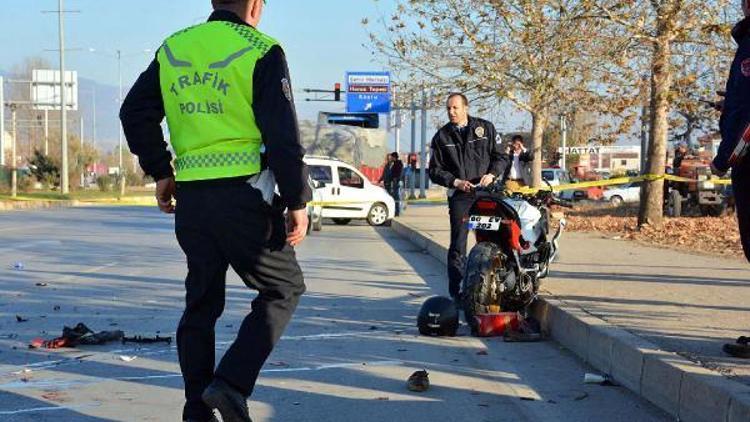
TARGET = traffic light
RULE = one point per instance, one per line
(337, 92)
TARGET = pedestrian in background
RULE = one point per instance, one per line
(518, 172)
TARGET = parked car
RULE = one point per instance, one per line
(557, 177)
(347, 195)
(618, 195)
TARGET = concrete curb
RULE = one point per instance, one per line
(682, 388)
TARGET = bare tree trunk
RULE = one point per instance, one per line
(652, 200)
(539, 119)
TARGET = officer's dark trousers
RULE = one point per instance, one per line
(741, 189)
(458, 205)
(218, 224)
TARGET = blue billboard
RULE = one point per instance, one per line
(368, 92)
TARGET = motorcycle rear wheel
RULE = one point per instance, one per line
(476, 291)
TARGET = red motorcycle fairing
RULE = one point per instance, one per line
(510, 230)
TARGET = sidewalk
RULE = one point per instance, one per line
(603, 289)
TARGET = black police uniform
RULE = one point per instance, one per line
(468, 154)
(224, 222)
(735, 120)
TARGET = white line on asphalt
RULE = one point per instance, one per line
(38, 366)
(61, 384)
(48, 409)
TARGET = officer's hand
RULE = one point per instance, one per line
(165, 189)
(487, 180)
(296, 226)
(719, 105)
(463, 185)
(716, 171)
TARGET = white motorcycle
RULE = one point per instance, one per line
(513, 251)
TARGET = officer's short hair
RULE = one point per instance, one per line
(458, 94)
(228, 2)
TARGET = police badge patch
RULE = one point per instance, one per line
(287, 88)
(479, 132)
(745, 68)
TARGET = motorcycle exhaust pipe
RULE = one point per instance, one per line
(556, 240)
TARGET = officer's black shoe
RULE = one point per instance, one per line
(228, 401)
(738, 350)
(213, 419)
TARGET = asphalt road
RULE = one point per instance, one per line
(346, 355)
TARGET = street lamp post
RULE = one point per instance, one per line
(63, 106)
(119, 56)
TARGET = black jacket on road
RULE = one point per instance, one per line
(143, 111)
(466, 154)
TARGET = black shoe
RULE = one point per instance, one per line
(228, 401)
(738, 350)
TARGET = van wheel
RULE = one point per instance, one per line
(342, 221)
(616, 200)
(378, 214)
(317, 225)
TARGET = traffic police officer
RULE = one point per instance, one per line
(465, 152)
(735, 139)
(224, 88)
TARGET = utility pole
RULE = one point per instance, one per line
(2, 122)
(119, 125)
(13, 165)
(46, 132)
(423, 152)
(80, 155)
(398, 131)
(63, 105)
(564, 129)
(413, 146)
(93, 132)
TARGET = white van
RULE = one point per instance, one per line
(557, 177)
(347, 194)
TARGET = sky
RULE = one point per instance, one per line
(323, 39)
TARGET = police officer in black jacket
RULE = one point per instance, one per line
(466, 152)
(735, 138)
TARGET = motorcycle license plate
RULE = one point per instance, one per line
(483, 222)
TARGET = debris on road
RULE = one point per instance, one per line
(419, 381)
(41, 284)
(581, 396)
(19, 318)
(589, 378)
(80, 334)
(529, 330)
(128, 358)
(496, 323)
(147, 340)
(19, 266)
